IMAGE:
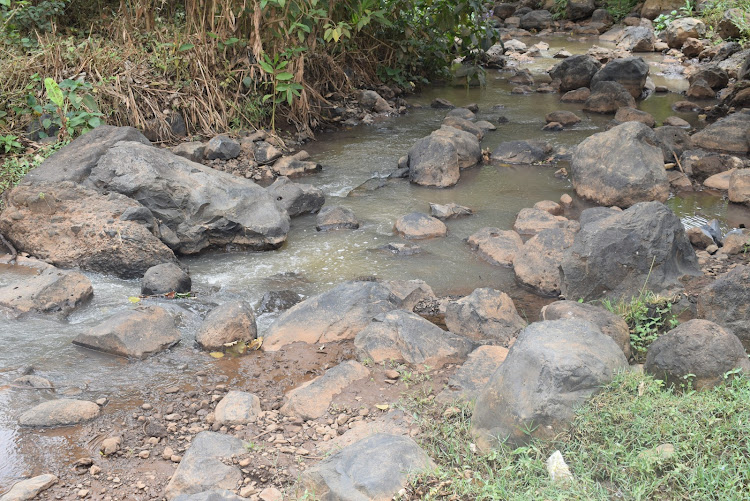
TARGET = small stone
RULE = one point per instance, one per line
(392, 374)
(101, 402)
(110, 445)
(557, 468)
(712, 249)
(144, 454)
(83, 493)
(271, 494)
(168, 453)
(146, 407)
(175, 458)
(95, 470)
(566, 200)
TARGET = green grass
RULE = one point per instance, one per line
(604, 448)
(15, 167)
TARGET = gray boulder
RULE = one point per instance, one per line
(610, 324)
(464, 125)
(521, 152)
(471, 378)
(536, 20)
(697, 351)
(466, 143)
(485, 315)
(630, 72)
(133, 333)
(29, 488)
(575, 72)
(496, 246)
(296, 199)
(621, 166)
(337, 314)
(537, 264)
(221, 147)
(727, 135)
(637, 39)
(278, 301)
(449, 211)
(436, 160)
(375, 468)
(237, 407)
(608, 97)
(60, 412)
(202, 468)
(552, 368)
(336, 218)
(726, 302)
(679, 30)
(580, 9)
(202, 206)
(673, 141)
(617, 256)
(226, 324)
(406, 337)
(164, 278)
(417, 226)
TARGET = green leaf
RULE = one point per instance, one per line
(265, 66)
(46, 123)
(284, 76)
(53, 92)
(247, 81)
(90, 103)
(94, 122)
(184, 47)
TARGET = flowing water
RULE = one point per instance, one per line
(311, 262)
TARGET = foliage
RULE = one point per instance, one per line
(609, 448)
(619, 9)
(560, 9)
(15, 167)
(663, 20)
(24, 16)
(9, 143)
(713, 11)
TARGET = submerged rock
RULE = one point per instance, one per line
(50, 291)
(336, 218)
(417, 226)
(60, 412)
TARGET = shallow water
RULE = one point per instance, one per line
(311, 262)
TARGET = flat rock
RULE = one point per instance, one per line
(418, 226)
(295, 198)
(212, 495)
(406, 337)
(496, 246)
(394, 422)
(521, 152)
(485, 315)
(337, 314)
(410, 292)
(564, 118)
(60, 412)
(719, 181)
(530, 222)
(202, 469)
(50, 291)
(473, 375)
(230, 322)
(133, 333)
(375, 468)
(336, 218)
(237, 407)
(312, 399)
(729, 134)
(449, 211)
(29, 488)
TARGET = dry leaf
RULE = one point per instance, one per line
(216, 354)
(382, 407)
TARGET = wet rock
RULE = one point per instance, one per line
(221, 147)
(402, 248)
(729, 134)
(576, 96)
(30, 488)
(496, 246)
(739, 187)
(565, 118)
(485, 315)
(580, 9)
(406, 337)
(633, 115)
(673, 142)
(133, 333)
(237, 407)
(522, 77)
(700, 89)
(549, 206)
(714, 76)
(230, 322)
(681, 29)
(372, 101)
(676, 122)
(514, 45)
(33, 381)
(532, 221)
(311, 399)
(433, 161)
(630, 72)
(699, 352)
(473, 375)
(551, 370)
(637, 39)
(719, 181)
(278, 301)
(536, 20)
(336, 218)
(417, 226)
(575, 72)
(686, 107)
(727, 302)
(60, 412)
(193, 150)
(607, 256)
(337, 314)
(521, 152)
(164, 278)
(610, 324)
(374, 468)
(463, 113)
(553, 127)
(464, 125)
(522, 89)
(202, 468)
(212, 495)
(439, 102)
(537, 264)
(621, 166)
(51, 291)
(296, 199)
(75, 227)
(608, 97)
(295, 165)
(449, 211)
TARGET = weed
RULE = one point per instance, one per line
(619, 9)
(15, 167)
(9, 143)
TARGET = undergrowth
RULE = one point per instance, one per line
(610, 448)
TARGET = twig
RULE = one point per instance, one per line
(13, 253)
(678, 161)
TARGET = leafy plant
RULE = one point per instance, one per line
(619, 9)
(283, 88)
(9, 143)
(662, 21)
(72, 108)
(560, 9)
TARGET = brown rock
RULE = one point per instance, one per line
(633, 115)
(739, 187)
(719, 181)
(537, 263)
(496, 246)
(485, 315)
(228, 323)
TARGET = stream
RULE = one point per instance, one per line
(311, 262)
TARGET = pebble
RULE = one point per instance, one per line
(144, 454)
(392, 374)
(146, 407)
(101, 401)
(83, 493)
(95, 470)
(168, 453)
(175, 458)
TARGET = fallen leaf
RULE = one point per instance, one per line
(382, 407)
(232, 343)
(134, 299)
(216, 354)
(255, 344)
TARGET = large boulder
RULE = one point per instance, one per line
(731, 134)
(637, 39)
(132, 333)
(29, 488)
(45, 290)
(203, 207)
(652, 8)
(608, 97)
(402, 336)
(485, 315)
(575, 72)
(552, 368)
(674, 141)
(536, 20)
(699, 352)
(75, 227)
(165, 278)
(295, 198)
(739, 187)
(375, 468)
(227, 324)
(496, 246)
(630, 72)
(621, 166)
(610, 324)
(537, 264)
(337, 314)
(679, 30)
(619, 255)
(436, 160)
(59, 412)
(418, 225)
(727, 302)
(580, 9)
(473, 375)
(203, 467)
